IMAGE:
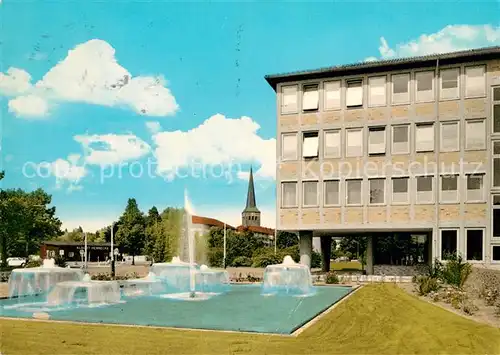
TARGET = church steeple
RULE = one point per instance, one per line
(251, 214)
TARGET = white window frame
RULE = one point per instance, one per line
(370, 98)
(425, 150)
(493, 104)
(282, 104)
(428, 96)
(483, 67)
(400, 98)
(495, 156)
(347, 131)
(326, 91)
(312, 95)
(494, 207)
(441, 230)
(354, 103)
(347, 192)
(433, 199)
(337, 132)
(444, 195)
(492, 260)
(324, 192)
(456, 148)
(384, 180)
(483, 243)
(482, 192)
(296, 204)
(408, 144)
(447, 94)
(310, 145)
(377, 149)
(467, 130)
(283, 135)
(304, 193)
(407, 201)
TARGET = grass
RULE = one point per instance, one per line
(345, 266)
(377, 319)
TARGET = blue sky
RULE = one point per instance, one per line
(174, 85)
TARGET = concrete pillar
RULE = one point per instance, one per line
(326, 252)
(369, 256)
(305, 247)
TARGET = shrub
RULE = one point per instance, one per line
(316, 260)
(241, 261)
(435, 271)
(455, 272)
(34, 263)
(266, 259)
(332, 278)
(469, 308)
(60, 261)
(426, 285)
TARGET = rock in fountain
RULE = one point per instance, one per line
(287, 278)
(40, 280)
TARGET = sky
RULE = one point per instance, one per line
(104, 101)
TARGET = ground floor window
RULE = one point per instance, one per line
(401, 248)
(496, 253)
(449, 242)
(474, 244)
(496, 216)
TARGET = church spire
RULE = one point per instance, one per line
(251, 193)
(251, 214)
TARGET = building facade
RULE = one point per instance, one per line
(407, 145)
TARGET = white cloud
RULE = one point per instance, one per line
(112, 148)
(217, 141)
(91, 74)
(68, 172)
(449, 39)
(153, 126)
(29, 106)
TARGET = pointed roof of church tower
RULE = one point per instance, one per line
(251, 204)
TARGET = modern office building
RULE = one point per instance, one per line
(408, 146)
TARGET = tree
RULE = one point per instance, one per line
(131, 229)
(286, 239)
(153, 231)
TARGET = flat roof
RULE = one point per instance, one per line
(385, 65)
(67, 244)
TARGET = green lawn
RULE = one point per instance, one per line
(345, 266)
(378, 319)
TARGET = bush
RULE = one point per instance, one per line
(426, 285)
(435, 271)
(106, 276)
(266, 259)
(60, 261)
(497, 309)
(241, 261)
(469, 307)
(34, 263)
(316, 260)
(455, 272)
(332, 278)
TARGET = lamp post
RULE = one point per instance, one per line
(112, 251)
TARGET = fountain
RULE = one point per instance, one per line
(40, 280)
(147, 286)
(211, 281)
(287, 278)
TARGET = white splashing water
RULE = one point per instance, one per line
(189, 212)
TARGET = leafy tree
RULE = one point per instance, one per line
(286, 239)
(153, 231)
(131, 229)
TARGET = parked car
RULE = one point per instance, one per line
(16, 261)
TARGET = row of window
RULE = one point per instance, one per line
(474, 244)
(353, 139)
(423, 187)
(474, 81)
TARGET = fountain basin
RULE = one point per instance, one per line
(84, 293)
(288, 278)
(147, 286)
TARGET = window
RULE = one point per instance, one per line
(496, 164)
(376, 91)
(289, 99)
(354, 142)
(475, 81)
(425, 191)
(425, 86)
(475, 187)
(474, 244)
(401, 139)
(332, 192)
(475, 134)
(376, 140)
(377, 191)
(424, 137)
(332, 95)
(310, 189)
(71, 254)
(310, 98)
(354, 93)
(354, 193)
(449, 242)
(496, 216)
(289, 194)
(449, 137)
(449, 84)
(449, 188)
(289, 146)
(332, 144)
(400, 88)
(495, 253)
(496, 110)
(310, 145)
(400, 190)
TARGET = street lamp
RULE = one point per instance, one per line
(113, 251)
